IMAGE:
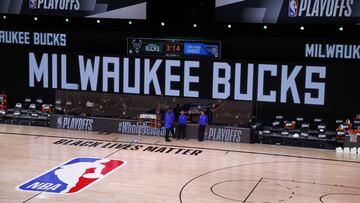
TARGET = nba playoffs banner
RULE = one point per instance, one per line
(124, 9)
(214, 132)
(103, 125)
(288, 11)
(228, 134)
(75, 123)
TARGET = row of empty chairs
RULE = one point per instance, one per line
(31, 112)
(298, 127)
(347, 127)
(30, 107)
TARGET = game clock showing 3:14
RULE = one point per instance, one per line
(173, 48)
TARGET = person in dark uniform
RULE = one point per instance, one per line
(203, 122)
(182, 120)
(169, 118)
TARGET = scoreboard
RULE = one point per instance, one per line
(177, 48)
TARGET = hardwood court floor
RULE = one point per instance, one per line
(180, 171)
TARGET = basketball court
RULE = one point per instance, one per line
(184, 171)
(89, 91)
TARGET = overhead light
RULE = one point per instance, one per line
(35, 18)
(4, 17)
(341, 29)
(98, 21)
(67, 20)
(265, 27)
(302, 28)
(130, 22)
(229, 26)
(195, 25)
(162, 24)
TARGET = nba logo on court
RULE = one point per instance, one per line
(293, 8)
(72, 176)
(32, 4)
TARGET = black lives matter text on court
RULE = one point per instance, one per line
(130, 147)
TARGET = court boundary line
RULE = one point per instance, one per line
(188, 147)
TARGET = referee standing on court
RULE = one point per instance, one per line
(169, 118)
(181, 125)
(203, 121)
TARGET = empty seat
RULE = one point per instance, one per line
(34, 114)
(27, 100)
(356, 122)
(18, 106)
(90, 104)
(322, 136)
(39, 100)
(339, 121)
(278, 121)
(17, 113)
(285, 133)
(266, 131)
(38, 103)
(318, 120)
(68, 109)
(321, 127)
(296, 135)
(58, 102)
(32, 107)
(58, 108)
(305, 126)
(304, 134)
(299, 121)
(276, 124)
